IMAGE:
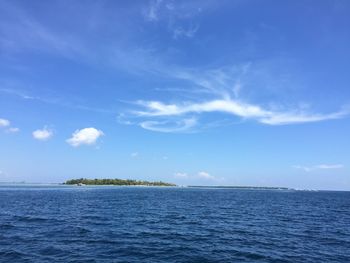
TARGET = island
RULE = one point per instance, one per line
(120, 182)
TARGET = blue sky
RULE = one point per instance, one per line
(191, 92)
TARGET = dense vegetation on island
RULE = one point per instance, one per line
(85, 181)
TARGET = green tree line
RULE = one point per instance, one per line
(115, 182)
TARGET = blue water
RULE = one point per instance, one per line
(134, 224)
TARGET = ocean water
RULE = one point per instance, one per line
(139, 224)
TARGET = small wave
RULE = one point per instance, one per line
(6, 226)
(12, 256)
(30, 218)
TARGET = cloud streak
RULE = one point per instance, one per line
(319, 167)
(206, 175)
(4, 123)
(28, 33)
(202, 176)
(185, 32)
(220, 92)
(236, 108)
(177, 17)
(181, 175)
(12, 130)
(54, 101)
(184, 125)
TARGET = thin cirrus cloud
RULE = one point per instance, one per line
(4, 123)
(205, 175)
(220, 90)
(185, 32)
(53, 101)
(319, 167)
(12, 130)
(223, 84)
(181, 175)
(200, 175)
(236, 108)
(152, 12)
(86, 136)
(177, 18)
(29, 33)
(169, 126)
(42, 134)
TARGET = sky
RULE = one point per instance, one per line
(190, 92)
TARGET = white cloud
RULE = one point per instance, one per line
(200, 176)
(223, 88)
(12, 130)
(181, 175)
(237, 108)
(168, 126)
(205, 175)
(283, 118)
(42, 134)
(330, 166)
(319, 167)
(4, 123)
(86, 136)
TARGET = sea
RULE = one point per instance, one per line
(52, 223)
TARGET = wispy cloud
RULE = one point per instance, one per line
(151, 13)
(87, 136)
(4, 123)
(12, 130)
(206, 175)
(176, 16)
(189, 32)
(236, 108)
(202, 175)
(319, 167)
(181, 175)
(220, 91)
(184, 125)
(20, 31)
(58, 101)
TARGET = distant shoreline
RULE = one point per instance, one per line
(28, 184)
(243, 187)
(117, 182)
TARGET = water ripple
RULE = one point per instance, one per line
(134, 224)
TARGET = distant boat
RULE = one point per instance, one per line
(80, 184)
